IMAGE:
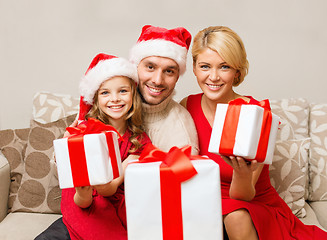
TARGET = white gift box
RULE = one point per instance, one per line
(98, 165)
(200, 200)
(247, 139)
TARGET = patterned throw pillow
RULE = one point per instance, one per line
(39, 190)
(318, 153)
(49, 107)
(12, 145)
(294, 114)
(288, 173)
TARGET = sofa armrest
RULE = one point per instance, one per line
(4, 186)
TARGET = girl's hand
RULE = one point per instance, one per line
(74, 124)
(107, 189)
(83, 196)
(110, 188)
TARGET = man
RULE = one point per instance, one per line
(160, 55)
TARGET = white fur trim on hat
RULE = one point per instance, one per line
(104, 70)
(161, 48)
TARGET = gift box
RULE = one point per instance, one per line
(168, 196)
(246, 130)
(90, 156)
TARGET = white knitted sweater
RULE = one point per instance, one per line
(169, 124)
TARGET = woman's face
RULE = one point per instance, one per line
(215, 77)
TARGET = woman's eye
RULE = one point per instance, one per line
(225, 67)
(204, 67)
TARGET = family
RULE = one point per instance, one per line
(135, 96)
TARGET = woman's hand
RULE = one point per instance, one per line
(240, 165)
(244, 179)
(83, 196)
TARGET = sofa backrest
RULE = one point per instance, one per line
(298, 171)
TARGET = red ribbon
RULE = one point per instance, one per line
(230, 128)
(175, 168)
(77, 151)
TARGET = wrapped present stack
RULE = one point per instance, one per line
(173, 196)
(246, 130)
(89, 156)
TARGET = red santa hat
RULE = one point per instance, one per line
(162, 42)
(102, 68)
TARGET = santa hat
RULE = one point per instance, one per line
(162, 42)
(102, 68)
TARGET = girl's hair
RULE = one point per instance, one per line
(133, 117)
(227, 44)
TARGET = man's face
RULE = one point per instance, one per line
(157, 78)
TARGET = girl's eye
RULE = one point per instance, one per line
(104, 92)
(123, 91)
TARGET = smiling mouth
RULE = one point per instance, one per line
(155, 90)
(214, 86)
(116, 106)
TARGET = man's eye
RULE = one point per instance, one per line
(150, 67)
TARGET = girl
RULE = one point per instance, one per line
(251, 207)
(108, 93)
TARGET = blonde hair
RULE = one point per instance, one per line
(133, 118)
(227, 44)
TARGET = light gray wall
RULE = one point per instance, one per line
(48, 45)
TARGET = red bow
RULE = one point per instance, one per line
(177, 160)
(91, 126)
(240, 101)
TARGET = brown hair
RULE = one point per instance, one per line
(133, 118)
(227, 44)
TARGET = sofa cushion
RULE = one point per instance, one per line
(12, 145)
(288, 170)
(294, 122)
(22, 226)
(39, 190)
(318, 153)
(50, 107)
(320, 209)
(294, 117)
(311, 216)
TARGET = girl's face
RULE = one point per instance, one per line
(215, 77)
(115, 97)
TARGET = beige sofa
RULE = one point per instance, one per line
(30, 196)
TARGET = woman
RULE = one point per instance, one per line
(251, 207)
